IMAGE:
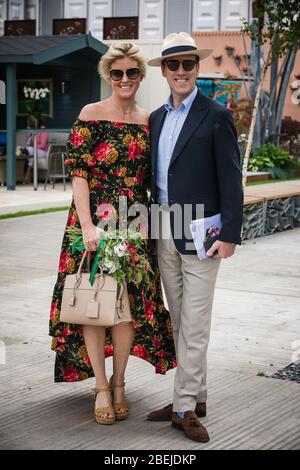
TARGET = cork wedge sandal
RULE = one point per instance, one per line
(121, 409)
(100, 412)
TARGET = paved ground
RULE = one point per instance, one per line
(255, 329)
(25, 198)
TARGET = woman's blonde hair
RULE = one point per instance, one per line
(118, 51)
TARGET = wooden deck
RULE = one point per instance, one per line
(270, 191)
(255, 329)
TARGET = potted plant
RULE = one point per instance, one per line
(218, 59)
(237, 59)
(229, 50)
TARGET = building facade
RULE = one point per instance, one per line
(214, 23)
(157, 18)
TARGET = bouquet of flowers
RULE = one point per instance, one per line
(123, 257)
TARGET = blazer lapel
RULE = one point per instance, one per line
(193, 120)
(155, 133)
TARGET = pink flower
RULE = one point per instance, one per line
(63, 262)
(87, 361)
(71, 220)
(61, 339)
(101, 150)
(126, 192)
(160, 354)
(140, 176)
(118, 173)
(76, 139)
(108, 349)
(52, 310)
(99, 174)
(105, 211)
(149, 308)
(134, 150)
(140, 351)
(119, 125)
(70, 374)
(135, 326)
(156, 342)
(67, 332)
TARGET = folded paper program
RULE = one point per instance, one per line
(204, 229)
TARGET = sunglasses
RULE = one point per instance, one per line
(117, 75)
(173, 65)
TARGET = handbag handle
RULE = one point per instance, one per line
(78, 245)
(78, 274)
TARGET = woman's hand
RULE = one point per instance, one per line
(91, 237)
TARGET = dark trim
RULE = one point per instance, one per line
(72, 44)
(174, 50)
(11, 108)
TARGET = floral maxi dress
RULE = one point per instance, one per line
(114, 158)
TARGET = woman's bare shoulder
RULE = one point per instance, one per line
(92, 111)
(144, 116)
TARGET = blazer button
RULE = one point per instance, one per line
(152, 173)
(170, 174)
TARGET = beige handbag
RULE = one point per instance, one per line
(105, 303)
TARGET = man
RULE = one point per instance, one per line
(195, 160)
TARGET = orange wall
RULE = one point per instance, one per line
(218, 40)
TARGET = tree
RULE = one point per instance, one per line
(276, 22)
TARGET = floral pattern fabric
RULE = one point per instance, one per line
(114, 158)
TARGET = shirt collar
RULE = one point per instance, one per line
(185, 105)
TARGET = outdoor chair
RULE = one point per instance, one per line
(56, 164)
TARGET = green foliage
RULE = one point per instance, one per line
(11, 215)
(123, 254)
(276, 161)
(276, 18)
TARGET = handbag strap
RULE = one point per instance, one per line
(78, 245)
(82, 261)
(120, 301)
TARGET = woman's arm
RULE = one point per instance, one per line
(81, 194)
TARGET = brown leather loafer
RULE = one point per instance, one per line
(191, 426)
(165, 414)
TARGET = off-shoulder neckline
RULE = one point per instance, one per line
(113, 122)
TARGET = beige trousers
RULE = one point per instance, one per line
(189, 285)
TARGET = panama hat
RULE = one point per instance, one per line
(179, 44)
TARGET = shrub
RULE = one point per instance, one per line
(276, 161)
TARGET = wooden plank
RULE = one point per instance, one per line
(252, 199)
(274, 191)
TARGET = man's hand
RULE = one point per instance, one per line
(225, 250)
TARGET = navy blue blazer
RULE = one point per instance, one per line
(204, 167)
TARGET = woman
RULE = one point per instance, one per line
(108, 156)
(42, 149)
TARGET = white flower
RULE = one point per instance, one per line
(35, 93)
(120, 249)
(110, 265)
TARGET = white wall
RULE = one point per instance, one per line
(154, 89)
